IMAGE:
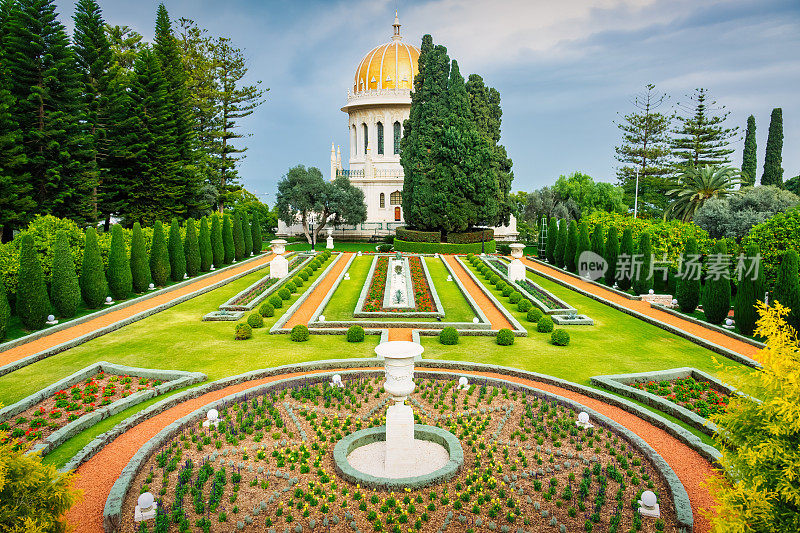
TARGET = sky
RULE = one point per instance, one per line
(566, 70)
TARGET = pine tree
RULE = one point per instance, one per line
(552, 238)
(258, 242)
(159, 256)
(717, 292)
(598, 244)
(94, 286)
(626, 251)
(227, 240)
(572, 246)
(748, 294)
(787, 287)
(65, 291)
(33, 304)
(688, 285)
(749, 161)
(204, 246)
(217, 244)
(643, 279)
(238, 237)
(140, 265)
(120, 280)
(5, 310)
(611, 255)
(248, 235)
(191, 247)
(773, 172)
(561, 243)
(177, 259)
(701, 137)
(645, 152)
(584, 243)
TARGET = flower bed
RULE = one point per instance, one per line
(696, 395)
(540, 297)
(269, 465)
(258, 289)
(423, 298)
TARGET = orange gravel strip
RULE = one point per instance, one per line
(303, 313)
(496, 318)
(400, 334)
(68, 334)
(644, 308)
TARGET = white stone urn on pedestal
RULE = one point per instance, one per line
(516, 250)
(329, 242)
(516, 270)
(279, 266)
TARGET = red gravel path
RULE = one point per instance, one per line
(303, 313)
(496, 318)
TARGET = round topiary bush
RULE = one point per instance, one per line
(243, 331)
(298, 281)
(276, 301)
(505, 337)
(255, 320)
(285, 293)
(448, 336)
(313, 265)
(290, 286)
(514, 297)
(493, 279)
(266, 309)
(559, 337)
(471, 257)
(299, 333)
(308, 270)
(355, 334)
(507, 290)
(524, 305)
(303, 275)
(534, 314)
(545, 324)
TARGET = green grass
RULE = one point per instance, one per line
(456, 306)
(343, 303)
(337, 246)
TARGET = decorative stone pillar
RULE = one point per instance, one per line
(399, 363)
(329, 242)
(279, 266)
(516, 270)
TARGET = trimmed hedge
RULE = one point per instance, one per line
(276, 301)
(448, 336)
(298, 281)
(470, 237)
(299, 333)
(266, 310)
(255, 230)
(355, 334)
(291, 287)
(33, 305)
(505, 337)
(255, 320)
(442, 247)
(247, 232)
(65, 292)
(559, 337)
(5, 310)
(177, 257)
(545, 324)
(159, 256)
(191, 249)
(411, 235)
(243, 331)
(217, 242)
(238, 237)
(118, 273)
(285, 293)
(204, 243)
(524, 305)
(93, 276)
(227, 240)
(534, 314)
(140, 267)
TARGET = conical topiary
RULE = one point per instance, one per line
(598, 244)
(611, 255)
(561, 243)
(258, 240)
(572, 246)
(217, 242)
(94, 287)
(119, 268)
(717, 291)
(247, 234)
(65, 291)
(688, 285)
(204, 243)
(643, 279)
(787, 287)
(227, 239)
(159, 256)
(583, 244)
(625, 253)
(238, 237)
(177, 259)
(748, 293)
(552, 237)
(5, 310)
(33, 305)
(140, 267)
(191, 249)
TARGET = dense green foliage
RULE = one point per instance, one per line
(748, 293)
(299, 333)
(65, 292)
(443, 247)
(355, 334)
(204, 246)
(688, 285)
(243, 331)
(177, 257)
(118, 273)
(701, 137)
(258, 240)
(411, 235)
(572, 246)
(159, 256)
(561, 243)
(626, 250)
(787, 288)
(217, 244)
(93, 277)
(773, 172)
(559, 337)
(505, 337)
(717, 289)
(275, 301)
(583, 244)
(266, 310)
(732, 217)
(5, 310)
(33, 304)
(247, 234)
(545, 324)
(749, 157)
(643, 279)
(696, 185)
(772, 238)
(611, 254)
(552, 238)
(140, 265)
(255, 320)
(534, 314)
(227, 240)
(191, 249)
(238, 237)
(598, 244)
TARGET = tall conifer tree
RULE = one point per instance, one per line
(571, 246)
(227, 239)
(258, 240)
(5, 310)
(717, 292)
(583, 244)
(749, 158)
(206, 253)
(643, 280)
(626, 250)
(217, 244)
(33, 305)
(552, 238)
(688, 285)
(247, 233)
(120, 281)
(64, 289)
(238, 237)
(561, 243)
(191, 248)
(773, 172)
(159, 256)
(177, 259)
(612, 255)
(748, 293)
(787, 287)
(701, 137)
(94, 286)
(598, 242)
(140, 266)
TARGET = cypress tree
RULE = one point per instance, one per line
(611, 255)
(584, 243)
(248, 235)
(748, 294)
(33, 305)
(94, 287)
(561, 243)
(177, 259)
(227, 239)
(598, 244)
(625, 251)
(5, 310)
(159, 256)
(238, 237)
(191, 248)
(204, 246)
(120, 280)
(64, 289)
(217, 246)
(749, 158)
(552, 238)
(787, 287)
(140, 268)
(643, 281)
(688, 289)
(773, 172)
(258, 240)
(572, 246)
(717, 292)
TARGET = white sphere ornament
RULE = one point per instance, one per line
(108, 299)
(651, 291)
(145, 501)
(152, 286)
(463, 383)
(728, 322)
(50, 318)
(475, 320)
(212, 414)
(583, 417)
(674, 301)
(322, 318)
(649, 499)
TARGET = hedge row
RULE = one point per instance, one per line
(470, 237)
(411, 235)
(443, 247)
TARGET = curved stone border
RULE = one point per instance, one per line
(727, 332)
(566, 308)
(77, 341)
(175, 379)
(375, 434)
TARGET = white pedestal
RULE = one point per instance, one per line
(652, 512)
(139, 515)
(400, 457)
(329, 243)
(279, 267)
(516, 271)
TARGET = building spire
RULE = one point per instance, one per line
(396, 26)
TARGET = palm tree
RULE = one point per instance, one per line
(696, 185)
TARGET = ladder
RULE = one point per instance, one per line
(543, 239)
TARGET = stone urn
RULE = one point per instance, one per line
(398, 359)
(278, 246)
(516, 250)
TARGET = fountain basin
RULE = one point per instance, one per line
(370, 443)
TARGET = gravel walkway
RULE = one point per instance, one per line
(303, 313)
(496, 318)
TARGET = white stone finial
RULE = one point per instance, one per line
(583, 420)
(145, 507)
(648, 505)
(396, 36)
(463, 383)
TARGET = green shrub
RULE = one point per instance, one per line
(470, 237)
(583, 244)
(552, 237)
(204, 246)
(688, 289)
(611, 255)
(749, 292)
(93, 277)
(227, 240)
(772, 238)
(255, 230)
(266, 309)
(643, 281)
(507, 290)
(515, 297)
(247, 233)
(177, 259)
(314, 265)
(561, 243)
(355, 334)
(217, 242)
(238, 236)
(410, 235)
(717, 293)
(559, 337)
(471, 257)
(524, 305)
(572, 246)
(448, 336)
(33, 305)
(504, 248)
(118, 274)
(298, 281)
(308, 271)
(299, 333)
(494, 279)
(140, 268)
(276, 301)
(243, 331)
(384, 248)
(626, 249)
(285, 293)
(442, 247)
(159, 256)
(5, 309)
(505, 337)
(545, 324)
(65, 292)
(787, 287)
(191, 249)
(534, 314)
(303, 275)
(255, 320)
(291, 287)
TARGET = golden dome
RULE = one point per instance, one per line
(389, 66)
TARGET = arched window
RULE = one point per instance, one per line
(396, 138)
(366, 138)
(395, 198)
(380, 138)
(383, 200)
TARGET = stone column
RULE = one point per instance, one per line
(279, 266)
(329, 241)
(516, 270)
